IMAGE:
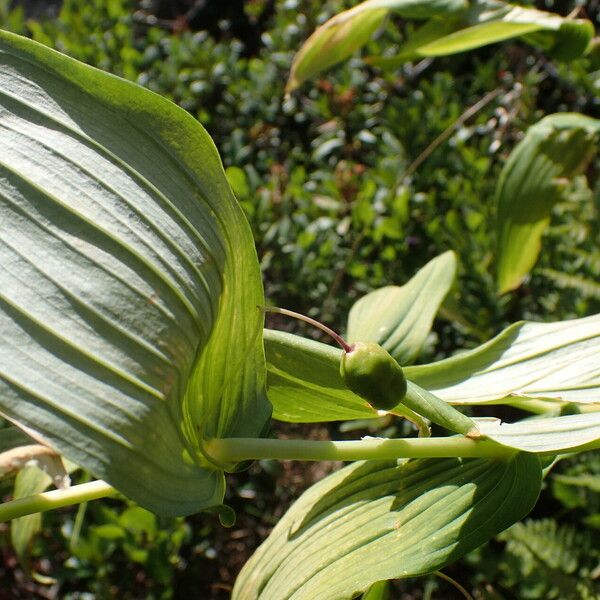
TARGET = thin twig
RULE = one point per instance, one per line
(339, 275)
(440, 139)
(455, 583)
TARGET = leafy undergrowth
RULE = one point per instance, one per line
(314, 174)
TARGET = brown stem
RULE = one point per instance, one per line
(440, 139)
(290, 313)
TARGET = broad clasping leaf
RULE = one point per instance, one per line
(382, 519)
(400, 318)
(128, 281)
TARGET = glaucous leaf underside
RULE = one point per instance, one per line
(128, 281)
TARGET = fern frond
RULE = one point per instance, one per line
(591, 260)
(554, 546)
(548, 560)
(586, 287)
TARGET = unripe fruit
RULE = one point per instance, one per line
(372, 373)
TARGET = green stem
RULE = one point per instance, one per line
(539, 406)
(231, 450)
(55, 499)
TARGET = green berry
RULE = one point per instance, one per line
(372, 373)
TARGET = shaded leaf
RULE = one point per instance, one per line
(378, 591)
(11, 437)
(400, 318)
(554, 555)
(588, 288)
(533, 179)
(29, 481)
(382, 519)
(128, 281)
(587, 480)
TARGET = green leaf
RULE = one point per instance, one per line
(378, 591)
(589, 481)
(554, 546)
(438, 411)
(588, 288)
(491, 21)
(350, 30)
(548, 435)
(32, 480)
(109, 532)
(128, 281)
(138, 521)
(431, 31)
(475, 37)
(304, 382)
(534, 179)
(539, 360)
(305, 386)
(29, 481)
(11, 437)
(453, 26)
(382, 519)
(400, 318)
(238, 181)
(527, 360)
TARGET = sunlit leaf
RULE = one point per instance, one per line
(400, 318)
(452, 26)
(350, 30)
(526, 361)
(381, 520)
(534, 178)
(544, 360)
(491, 21)
(128, 281)
(431, 31)
(552, 435)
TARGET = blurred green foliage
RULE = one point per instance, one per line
(328, 181)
